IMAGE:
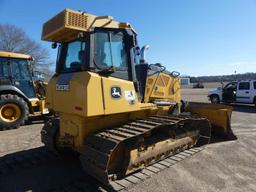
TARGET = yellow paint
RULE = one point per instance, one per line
(84, 97)
(85, 92)
(14, 55)
(37, 104)
(87, 105)
(34, 103)
(121, 104)
(144, 156)
(162, 87)
(218, 115)
(66, 25)
(164, 110)
(10, 113)
(41, 104)
(79, 127)
(97, 109)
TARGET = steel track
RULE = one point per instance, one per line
(106, 140)
(98, 153)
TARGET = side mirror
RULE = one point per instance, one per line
(54, 45)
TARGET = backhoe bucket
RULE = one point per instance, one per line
(218, 115)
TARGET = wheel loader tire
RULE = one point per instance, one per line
(215, 99)
(14, 111)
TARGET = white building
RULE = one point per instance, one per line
(185, 81)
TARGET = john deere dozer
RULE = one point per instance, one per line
(119, 112)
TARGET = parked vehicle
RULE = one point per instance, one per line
(21, 95)
(235, 92)
(199, 85)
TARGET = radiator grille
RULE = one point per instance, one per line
(77, 20)
(65, 26)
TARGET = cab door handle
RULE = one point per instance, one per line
(246, 91)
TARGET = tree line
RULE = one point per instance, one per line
(223, 78)
(14, 39)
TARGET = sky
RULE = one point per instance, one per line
(194, 37)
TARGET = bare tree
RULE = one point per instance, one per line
(14, 39)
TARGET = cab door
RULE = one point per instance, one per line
(112, 55)
(243, 92)
(21, 77)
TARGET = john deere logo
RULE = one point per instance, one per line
(116, 92)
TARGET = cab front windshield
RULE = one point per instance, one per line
(110, 50)
(15, 68)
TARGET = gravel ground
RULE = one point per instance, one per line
(24, 138)
(222, 166)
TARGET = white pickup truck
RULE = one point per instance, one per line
(235, 92)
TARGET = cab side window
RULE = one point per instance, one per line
(75, 56)
(110, 50)
(254, 84)
(20, 69)
(244, 86)
(4, 68)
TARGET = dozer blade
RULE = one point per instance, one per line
(114, 153)
(219, 116)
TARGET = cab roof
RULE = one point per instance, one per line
(14, 55)
(66, 25)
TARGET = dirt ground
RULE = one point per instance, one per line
(222, 166)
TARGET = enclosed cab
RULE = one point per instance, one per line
(18, 91)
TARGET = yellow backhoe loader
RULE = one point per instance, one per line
(119, 112)
(21, 95)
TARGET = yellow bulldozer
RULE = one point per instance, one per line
(21, 95)
(117, 111)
